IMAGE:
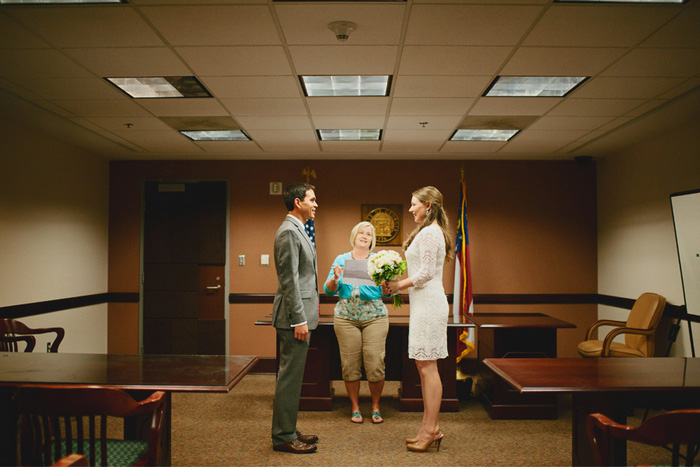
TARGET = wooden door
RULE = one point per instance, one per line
(184, 265)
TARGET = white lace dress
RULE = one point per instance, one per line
(429, 311)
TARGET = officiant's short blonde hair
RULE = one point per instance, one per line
(360, 226)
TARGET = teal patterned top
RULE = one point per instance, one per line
(359, 303)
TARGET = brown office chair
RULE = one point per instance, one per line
(56, 420)
(13, 331)
(676, 428)
(639, 331)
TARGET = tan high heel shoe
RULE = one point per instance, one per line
(415, 440)
(425, 446)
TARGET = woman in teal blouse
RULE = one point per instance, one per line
(361, 324)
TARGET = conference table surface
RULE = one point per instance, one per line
(169, 373)
(610, 386)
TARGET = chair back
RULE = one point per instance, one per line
(13, 331)
(645, 314)
(57, 420)
(676, 428)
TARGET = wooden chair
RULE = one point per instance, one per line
(675, 428)
(71, 460)
(13, 331)
(639, 330)
(57, 420)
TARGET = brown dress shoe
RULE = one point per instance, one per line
(295, 447)
(307, 439)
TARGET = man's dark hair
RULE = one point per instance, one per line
(294, 191)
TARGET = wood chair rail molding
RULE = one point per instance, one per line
(37, 308)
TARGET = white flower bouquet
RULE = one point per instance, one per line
(386, 265)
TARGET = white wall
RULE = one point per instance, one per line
(53, 232)
(636, 240)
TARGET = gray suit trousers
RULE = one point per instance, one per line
(292, 359)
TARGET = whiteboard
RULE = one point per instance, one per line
(686, 221)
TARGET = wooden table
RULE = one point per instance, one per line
(609, 386)
(323, 366)
(512, 335)
(136, 373)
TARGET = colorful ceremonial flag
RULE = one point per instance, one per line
(463, 303)
(310, 230)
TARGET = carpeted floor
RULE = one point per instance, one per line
(234, 429)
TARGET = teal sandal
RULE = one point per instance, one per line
(377, 417)
(356, 417)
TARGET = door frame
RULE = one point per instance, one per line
(227, 264)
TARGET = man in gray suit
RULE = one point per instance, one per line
(294, 315)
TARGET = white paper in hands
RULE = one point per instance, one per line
(355, 272)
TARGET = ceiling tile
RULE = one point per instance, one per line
(229, 147)
(136, 124)
(228, 87)
(344, 59)
(348, 105)
(657, 62)
(94, 26)
(561, 61)
(425, 140)
(452, 60)
(350, 146)
(626, 88)
(73, 88)
(440, 86)
(177, 107)
(472, 146)
(103, 108)
(597, 25)
(263, 107)
(681, 31)
(430, 106)
(214, 24)
(431, 122)
(513, 105)
(348, 122)
(288, 122)
(130, 61)
(469, 24)
(160, 141)
(16, 36)
(595, 107)
(286, 140)
(307, 23)
(569, 123)
(232, 61)
(39, 63)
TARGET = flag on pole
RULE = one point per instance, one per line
(463, 303)
(310, 230)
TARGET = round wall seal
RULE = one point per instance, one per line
(386, 224)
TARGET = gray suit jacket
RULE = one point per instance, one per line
(296, 299)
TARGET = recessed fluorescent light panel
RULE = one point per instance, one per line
(344, 86)
(533, 86)
(483, 135)
(215, 135)
(349, 135)
(55, 2)
(161, 87)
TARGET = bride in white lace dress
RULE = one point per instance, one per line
(426, 250)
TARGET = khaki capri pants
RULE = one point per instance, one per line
(362, 342)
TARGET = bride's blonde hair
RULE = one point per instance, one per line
(430, 194)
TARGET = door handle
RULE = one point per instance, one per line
(214, 287)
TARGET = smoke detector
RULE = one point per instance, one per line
(342, 29)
